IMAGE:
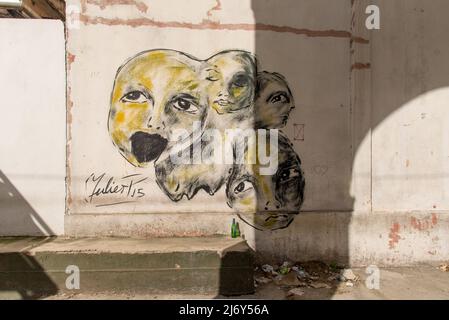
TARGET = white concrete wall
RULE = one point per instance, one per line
(312, 64)
(410, 106)
(373, 104)
(32, 156)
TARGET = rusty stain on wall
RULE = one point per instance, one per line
(70, 60)
(217, 7)
(69, 118)
(141, 6)
(209, 25)
(206, 25)
(424, 224)
(394, 235)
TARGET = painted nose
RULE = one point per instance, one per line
(223, 95)
(272, 205)
(155, 124)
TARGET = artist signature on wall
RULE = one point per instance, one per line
(127, 189)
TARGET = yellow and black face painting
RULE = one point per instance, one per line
(154, 93)
(268, 202)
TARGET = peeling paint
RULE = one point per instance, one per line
(394, 235)
(208, 25)
(69, 118)
(141, 6)
(70, 59)
(217, 7)
(424, 224)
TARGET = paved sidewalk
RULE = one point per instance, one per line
(421, 282)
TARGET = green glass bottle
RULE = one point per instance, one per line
(233, 229)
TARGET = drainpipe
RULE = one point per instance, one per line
(11, 4)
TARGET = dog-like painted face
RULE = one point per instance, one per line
(268, 202)
(273, 101)
(155, 93)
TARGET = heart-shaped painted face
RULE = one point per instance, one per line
(268, 202)
(154, 94)
(159, 92)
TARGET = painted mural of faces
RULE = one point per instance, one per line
(155, 93)
(273, 102)
(268, 202)
(159, 93)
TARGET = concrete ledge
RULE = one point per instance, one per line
(213, 265)
(352, 238)
(358, 239)
(148, 225)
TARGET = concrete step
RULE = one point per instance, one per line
(37, 267)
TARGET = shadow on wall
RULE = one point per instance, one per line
(407, 60)
(21, 276)
(17, 216)
(305, 58)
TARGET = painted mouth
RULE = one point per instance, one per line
(222, 102)
(277, 217)
(273, 221)
(147, 147)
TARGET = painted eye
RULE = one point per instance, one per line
(134, 97)
(280, 97)
(212, 75)
(289, 174)
(243, 187)
(240, 81)
(185, 105)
